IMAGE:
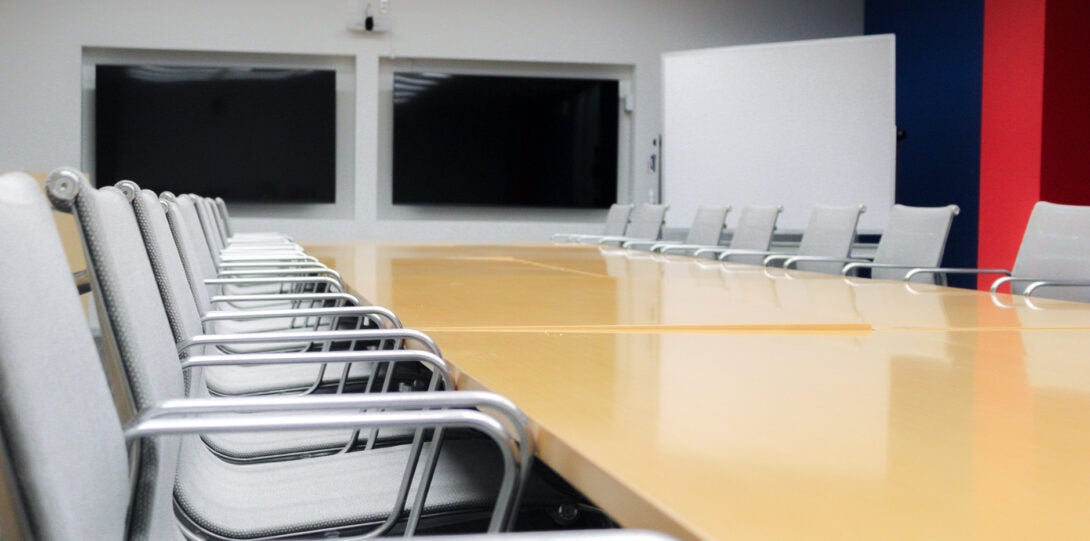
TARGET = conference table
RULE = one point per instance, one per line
(720, 401)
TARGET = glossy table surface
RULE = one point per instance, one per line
(724, 402)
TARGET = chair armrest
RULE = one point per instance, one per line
(639, 242)
(726, 254)
(664, 247)
(286, 297)
(794, 260)
(777, 256)
(263, 244)
(315, 271)
(213, 416)
(311, 336)
(617, 239)
(949, 270)
(1030, 289)
(1036, 283)
(333, 311)
(436, 363)
(567, 237)
(264, 263)
(275, 280)
(710, 250)
(296, 258)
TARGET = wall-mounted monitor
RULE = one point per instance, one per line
(485, 140)
(244, 134)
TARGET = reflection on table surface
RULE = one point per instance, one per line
(945, 435)
(858, 410)
(432, 286)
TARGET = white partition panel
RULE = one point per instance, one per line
(793, 124)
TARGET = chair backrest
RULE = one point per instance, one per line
(915, 237)
(617, 220)
(646, 222)
(707, 226)
(220, 209)
(208, 226)
(829, 233)
(137, 322)
(754, 232)
(56, 411)
(1056, 246)
(193, 248)
(166, 263)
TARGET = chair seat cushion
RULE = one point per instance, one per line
(267, 499)
(243, 380)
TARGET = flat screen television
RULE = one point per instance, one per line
(488, 140)
(244, 134)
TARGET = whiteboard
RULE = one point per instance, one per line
(793, 124)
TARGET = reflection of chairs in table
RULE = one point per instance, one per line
(1053, 260)
(834, 299)
(829, 233)
(912, 310)
(913, 237)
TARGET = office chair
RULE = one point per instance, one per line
(187, 322)
(913, 237)
(69, 448)
(645, 223)
(616, 223)
(707, 227)
(829, 233)
(231, 235)
(751, 238)
(1053, 260)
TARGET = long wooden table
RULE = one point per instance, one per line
(728, 402)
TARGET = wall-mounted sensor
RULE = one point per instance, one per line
(624, 91)
(366, 17)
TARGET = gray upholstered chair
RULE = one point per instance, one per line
(1053, 260)
(217, 209)
(227, 250)
(116, 255)
(707, 227)
(829, 233)
(250, 263)
(645, 223)
(913, 237)
(188, 322)
(230, 235)
(213, 287)
(751, 238)
(616, 223)
(70, 450)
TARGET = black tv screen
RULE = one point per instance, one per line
(506, 141)
(244, 134)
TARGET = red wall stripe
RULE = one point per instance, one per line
(1011, 119)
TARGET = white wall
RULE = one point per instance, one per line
(42, 43)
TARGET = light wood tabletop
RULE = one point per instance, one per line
(535, 287)
(799, 407)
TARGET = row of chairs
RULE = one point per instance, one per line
(240, 355)
(1052, 261)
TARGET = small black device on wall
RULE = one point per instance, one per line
(246, 134)
(487, 140)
